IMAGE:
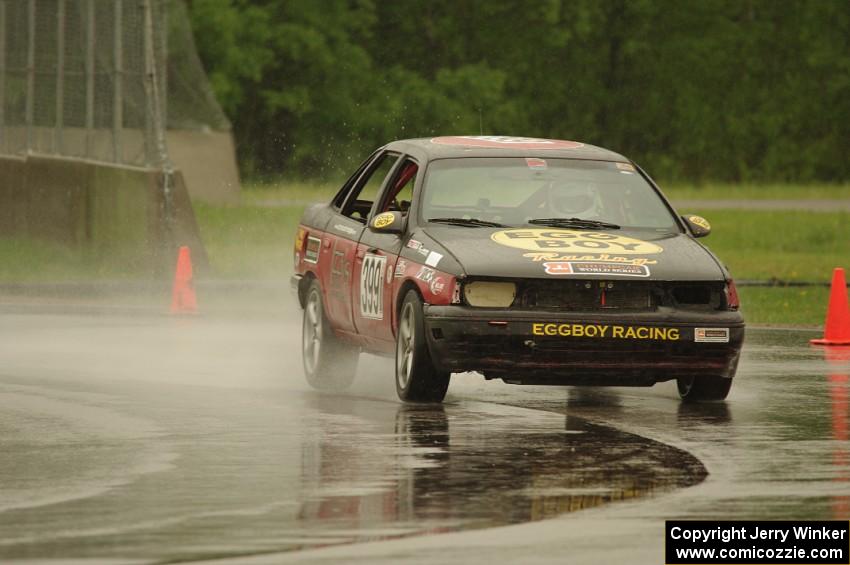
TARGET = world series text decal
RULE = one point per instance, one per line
(595, 268)
(573, 241)
(372, 286)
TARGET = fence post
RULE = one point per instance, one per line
(30, 105)
(162, 62)
(155, 111)
(150, 148)
(60, 76)
(90, 35)
(3, 143)
(118, 83)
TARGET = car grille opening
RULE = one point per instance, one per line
(579, 295)
(698, 295)
(692, 295)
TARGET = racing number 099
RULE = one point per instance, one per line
(372, 286)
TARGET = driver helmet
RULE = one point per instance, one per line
(573, 199)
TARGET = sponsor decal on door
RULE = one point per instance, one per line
(311, 254)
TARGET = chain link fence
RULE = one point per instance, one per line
(100, 80)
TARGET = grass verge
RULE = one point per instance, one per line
(784, 306)
(249, 242)
(255, 194)
(756, 191)
(254, 241)
(33, 260)
(788, 245)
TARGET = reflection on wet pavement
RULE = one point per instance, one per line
(214, 446)
(236, 477)
(804, 412)
(473, 466)
(838, 359)
(777, 449)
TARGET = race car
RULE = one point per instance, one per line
(534, 261)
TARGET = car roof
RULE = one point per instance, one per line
(453, 147)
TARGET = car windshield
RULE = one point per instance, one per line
(516, 191)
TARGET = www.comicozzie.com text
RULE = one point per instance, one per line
(757, 533)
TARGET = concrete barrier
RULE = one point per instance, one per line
(206, 158)
(12, 182)
(117, 212)
(208, 162)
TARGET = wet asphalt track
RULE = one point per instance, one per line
(146, 438)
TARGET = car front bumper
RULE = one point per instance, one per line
(592, 348)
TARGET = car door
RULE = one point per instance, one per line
(342, 234)
(377, 254)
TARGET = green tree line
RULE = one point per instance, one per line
(736, 90)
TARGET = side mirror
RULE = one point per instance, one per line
(699, 225)
(387, 222)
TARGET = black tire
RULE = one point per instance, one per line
(703, 388)
(329, 364)
(417, 379)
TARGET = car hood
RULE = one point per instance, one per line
(539, 252)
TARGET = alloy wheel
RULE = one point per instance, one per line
(312, 333)
(404, 346)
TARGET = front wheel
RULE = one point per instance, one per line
(703, 388)
(329, 364)
(417, 379)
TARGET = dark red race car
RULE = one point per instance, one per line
(534, 261)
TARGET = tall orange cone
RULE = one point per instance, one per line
(837, 327)
(183, 300)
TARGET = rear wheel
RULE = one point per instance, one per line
(417, 379)
(329, 364)
(703, 388)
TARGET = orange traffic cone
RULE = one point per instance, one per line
(837, 327)
(183, 299)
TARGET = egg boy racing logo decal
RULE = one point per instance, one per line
(383, 220)
(604, 331)
(372, 286)
(700, 221)
(603, 257)
(572, 241)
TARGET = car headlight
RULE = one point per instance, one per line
(489, 294)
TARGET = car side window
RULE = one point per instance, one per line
(340, 197)
(359, 203)
(399, 191)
